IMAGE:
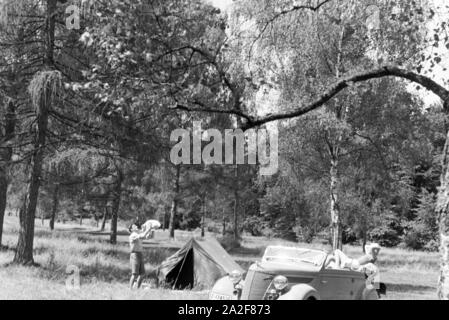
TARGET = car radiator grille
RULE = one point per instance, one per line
(256, 284)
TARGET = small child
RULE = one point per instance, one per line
(150, 225)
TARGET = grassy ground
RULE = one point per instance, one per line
(104, 269)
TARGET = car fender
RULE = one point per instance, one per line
(301, 292)
(223, 289)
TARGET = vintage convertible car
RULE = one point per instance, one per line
(296, 274)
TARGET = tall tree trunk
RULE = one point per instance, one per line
(365, 215)
(117, 194)
(105, 217)
(203, 219)
(174, 207)
(365, 236)
(337, 242)
(5, 158)
(3, 195)
(236, 214)
(236, 202)
(224, 223)
(24, 251)
(54, 207)
(335, 210)
(442, 210)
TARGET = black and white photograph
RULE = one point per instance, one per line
(228, 155)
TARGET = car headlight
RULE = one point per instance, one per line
(236, 277)
(280, 283)
(272, 295)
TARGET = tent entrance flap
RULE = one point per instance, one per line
(182, 276)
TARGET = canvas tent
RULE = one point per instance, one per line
(198, 264)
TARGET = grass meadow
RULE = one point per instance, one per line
(104, 268)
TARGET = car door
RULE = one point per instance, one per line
(338, 285)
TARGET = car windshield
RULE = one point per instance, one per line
(294, 255)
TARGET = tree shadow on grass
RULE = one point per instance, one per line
(91, 273)
(154, 256)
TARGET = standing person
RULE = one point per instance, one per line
(136, 255)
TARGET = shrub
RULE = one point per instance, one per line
(254, 226)
(348, 236)
(419, 236)
(388, 233)
(421, 233)
(213, 229)
(306, 235)
(385, 237)
(432, 246)
(413, 240)
(229, 243)
(284, 229)
(190, 221)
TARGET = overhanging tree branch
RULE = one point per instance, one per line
(346, 82)
(336, 88)
(205, 109)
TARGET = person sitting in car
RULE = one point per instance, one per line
(342, 261)
(370, 257)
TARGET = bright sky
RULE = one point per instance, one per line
(222, 4)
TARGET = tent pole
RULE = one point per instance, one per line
(183, 261)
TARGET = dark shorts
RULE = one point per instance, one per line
(137, 264)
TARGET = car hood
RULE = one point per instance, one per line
(287, 269)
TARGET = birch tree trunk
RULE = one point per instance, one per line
(335, 210)
(334, 152)
(442, 209)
